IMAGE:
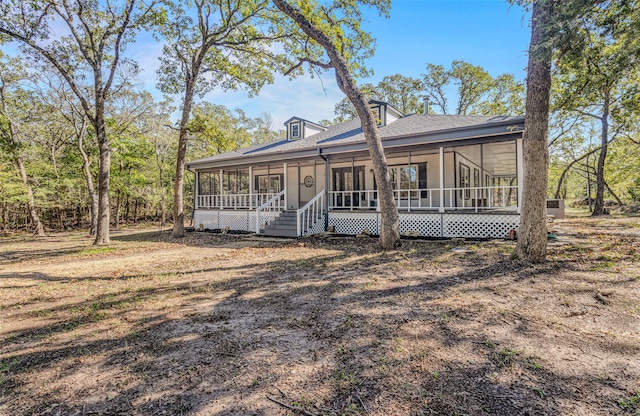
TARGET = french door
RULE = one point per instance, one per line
(348, 184)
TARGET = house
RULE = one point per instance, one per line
(452, 175)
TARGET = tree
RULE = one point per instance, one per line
(477, 91)
(217, 43)
(61, 101)
(215, 129)
(553, 28)
(602, 84)
(11, 140)
(506, 97)
(335, 28)
(91, 48)
(403, 93)
(532, 234)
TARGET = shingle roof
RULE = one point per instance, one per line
(351, 132)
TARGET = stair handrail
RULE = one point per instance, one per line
(310, 213)
(268, 206)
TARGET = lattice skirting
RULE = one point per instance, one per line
(427, 225)
(469, 225)
(354, 222)
(216, 220)
(318, 227)
(479, 225)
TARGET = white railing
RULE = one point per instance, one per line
(232, 201)
(477, 198)
(482, 198)
(368, 199)
(274, 204)
(309, 214)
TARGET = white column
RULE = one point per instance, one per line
(196, 188)
(286, 201)
(520, 166)
(441, 180)
(409, 192)
(221, 188)
(250, 187)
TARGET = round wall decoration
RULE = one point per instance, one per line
(308, 181)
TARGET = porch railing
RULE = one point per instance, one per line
(477, 198)
(274, 204)
(232, 201)
(309, 214)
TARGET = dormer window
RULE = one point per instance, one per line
(377, 114)
(384, 113)
(295, 130)
(299, 128)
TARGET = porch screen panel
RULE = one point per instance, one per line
(243, 181)
(204, 183)
(208, 183)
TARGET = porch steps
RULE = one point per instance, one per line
(286, 225)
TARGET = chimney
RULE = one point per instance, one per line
(425, 99)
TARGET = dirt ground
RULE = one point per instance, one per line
(231, 325)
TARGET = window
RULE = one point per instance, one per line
(269, 184)
(295, 130)
(377, 114)
(465, 181)
(407, 178)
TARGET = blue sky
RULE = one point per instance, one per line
(489, 33)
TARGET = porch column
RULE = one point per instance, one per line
(327, 195)
(286, 201)
(520, 167)
(250, 187)
(221, 188)
(196, 188)
(441, 180)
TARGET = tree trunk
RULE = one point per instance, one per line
(19, 163)
(532, 233)
(93, 210)
(116, 223)
(104, 170)
(613, 194)
(178, 202)
(566, 170)
(37, 225)
(389, 227)
(598, 208)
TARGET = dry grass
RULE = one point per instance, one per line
(217, 325)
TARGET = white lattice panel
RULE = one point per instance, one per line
(427, 225)
(235, 220)
(208, 219)
(354, 222)
(479, 225)
(318, 227)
